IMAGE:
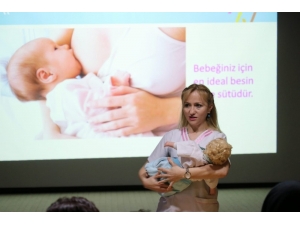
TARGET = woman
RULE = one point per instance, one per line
(136, 108)
(198, 121)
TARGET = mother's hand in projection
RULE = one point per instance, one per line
(134, 111)
(175, 173)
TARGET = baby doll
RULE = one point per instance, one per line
(217, 152)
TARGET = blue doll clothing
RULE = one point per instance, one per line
(163, 162)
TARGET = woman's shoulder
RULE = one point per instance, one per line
(174, 133)
(217, 134)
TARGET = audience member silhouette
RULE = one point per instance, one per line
(283, 197)
(73, 204)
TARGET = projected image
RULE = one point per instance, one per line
(96, 82)
(93, 87)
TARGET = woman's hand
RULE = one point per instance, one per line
(172, 175)
(152, 183)
(134, 111)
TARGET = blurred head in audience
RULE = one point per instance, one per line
(283, 197)
(73, 204)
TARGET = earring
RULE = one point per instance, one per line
(208, 116)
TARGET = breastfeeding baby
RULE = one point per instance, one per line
(42, 70)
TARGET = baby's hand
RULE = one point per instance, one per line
(170, 144)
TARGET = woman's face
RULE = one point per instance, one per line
(195, 109)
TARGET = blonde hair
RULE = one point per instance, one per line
(205, 93)
(21, 73)
(218, 151)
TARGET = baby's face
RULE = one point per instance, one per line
(59, 59)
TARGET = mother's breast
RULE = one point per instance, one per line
(155, 61)
(91, 47)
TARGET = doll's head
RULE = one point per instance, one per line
(218, 151)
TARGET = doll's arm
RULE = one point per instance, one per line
(170, 144)
(212, 191)
(190, 149)
(212, 183)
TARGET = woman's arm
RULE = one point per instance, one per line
(208, 171)
(137, 112)
(151, 183)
